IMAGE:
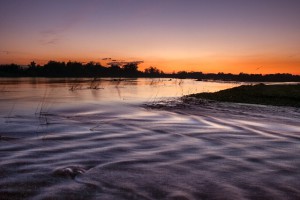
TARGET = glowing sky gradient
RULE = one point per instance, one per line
(257, 36)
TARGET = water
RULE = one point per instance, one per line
(84, 139)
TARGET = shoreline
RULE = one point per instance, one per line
(261, 94)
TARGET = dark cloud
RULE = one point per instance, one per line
(122, 62)
(259, 68)
(106, 59)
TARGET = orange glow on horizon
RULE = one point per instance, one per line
(230, 37)
(235, 65)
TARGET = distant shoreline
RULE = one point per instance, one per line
(276, 95)
(54, 69)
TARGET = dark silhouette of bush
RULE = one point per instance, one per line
(115, 70)
(95, 70)
(128, 69)
(11, 70)
(153, 72)
(75, 69)
(54, 69)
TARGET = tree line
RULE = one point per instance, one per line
(77, 69)
(127, 69)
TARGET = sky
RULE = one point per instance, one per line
(231, 36)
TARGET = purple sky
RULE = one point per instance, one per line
(199, 35)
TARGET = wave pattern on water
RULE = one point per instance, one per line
(196, 153)
(125, 151)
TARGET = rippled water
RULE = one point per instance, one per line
(79, 139)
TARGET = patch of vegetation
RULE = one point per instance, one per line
(124, 69)
(277, 95)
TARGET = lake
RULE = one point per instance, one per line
(117, 138)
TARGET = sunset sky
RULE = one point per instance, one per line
(257, 36)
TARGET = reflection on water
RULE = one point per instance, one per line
(65, 139)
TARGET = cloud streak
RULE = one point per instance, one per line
(5, 52)
(54, 35)
(122, 62)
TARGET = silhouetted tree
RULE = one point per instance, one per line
(32, 69)
(93, 69)
(55, 69)
(11, 70)
(32, 65)
(182, 74)
(130, 69)
(153, 72)
(75, 69)
(115, 70)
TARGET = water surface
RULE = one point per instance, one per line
(96, 139)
